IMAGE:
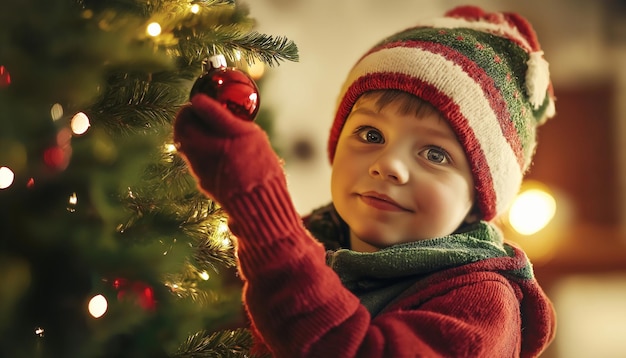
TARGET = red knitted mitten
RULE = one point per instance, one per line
(228, 156)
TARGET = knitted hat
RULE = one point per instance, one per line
(485, 73)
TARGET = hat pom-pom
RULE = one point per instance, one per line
(537, 79)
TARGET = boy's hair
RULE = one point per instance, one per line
(485, 73)
(408, 103)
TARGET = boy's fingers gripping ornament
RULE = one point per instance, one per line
(233, 88)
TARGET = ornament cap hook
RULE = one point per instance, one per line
(215, 61)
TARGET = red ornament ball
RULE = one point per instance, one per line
(233, 88)
(5, 77)
(57, 158)
(137, 291)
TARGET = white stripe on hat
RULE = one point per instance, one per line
(449, 78)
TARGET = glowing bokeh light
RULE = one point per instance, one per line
(72, 201)
(195, 8)
(56, 112)
(39, 331)
(170, 148)
(6, 177)
(5, 77)
(204, 275)
(256, 70)
(154, 29)
(80, 123)
(98, 306)
(531, 211)
(222, 228)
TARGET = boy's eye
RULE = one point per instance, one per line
(436, 155)
(370, 135)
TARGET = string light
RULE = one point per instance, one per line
(56, 112)
(195, 8)
(226, 242)
(224, 233)
(531, 211)
(256, 70)
(6, 177)
(97, 306)
(154, 29)
(73, 200)
(80, 123)
(204, 275)
(170, 148)
(39, 331)
(222, 228)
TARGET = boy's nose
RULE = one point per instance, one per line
(389, 167)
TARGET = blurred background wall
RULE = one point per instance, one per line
(580, 257)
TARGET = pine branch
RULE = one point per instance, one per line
(269, 49)
(233, 43)
(224, 344)
(132, 104)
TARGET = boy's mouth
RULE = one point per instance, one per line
(381, 201)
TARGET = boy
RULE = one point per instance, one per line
(434, 129)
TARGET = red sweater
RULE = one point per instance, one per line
(300, 307)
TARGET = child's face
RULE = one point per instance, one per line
(398, 177)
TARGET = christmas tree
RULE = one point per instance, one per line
(107, 248)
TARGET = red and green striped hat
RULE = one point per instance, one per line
(485, 73)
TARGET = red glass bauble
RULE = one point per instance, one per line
(137, 291)
(57, 158)
(233, 88)
(5, 77)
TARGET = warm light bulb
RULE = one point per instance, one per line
(170, 148)
(80, 123)
(6, 177)
(97, 306)
(56, 112)
(256, 70)
(531, 211)
(226, 242)
(204, 275)
(224, 233)
(222, 228)
(154, 29)
(72, 201)
(195, 8)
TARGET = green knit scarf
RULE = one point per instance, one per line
(377, 277)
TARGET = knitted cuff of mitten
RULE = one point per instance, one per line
(266, 224)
